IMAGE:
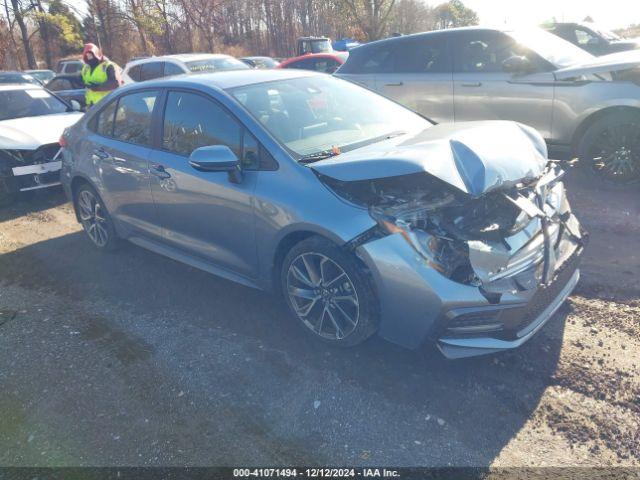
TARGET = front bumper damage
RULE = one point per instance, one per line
(33, 170)
(522, 280)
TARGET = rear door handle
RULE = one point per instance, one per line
(399, 84)
(472, 84)
(159, 171)
(100, 154)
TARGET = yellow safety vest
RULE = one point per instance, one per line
(97, 76)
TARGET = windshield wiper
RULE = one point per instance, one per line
(315, 157)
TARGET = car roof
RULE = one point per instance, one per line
(181, 57)
(225, 80)
(19, 86)
(38, 71)
(447, 31)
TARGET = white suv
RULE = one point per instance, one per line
(169, 65)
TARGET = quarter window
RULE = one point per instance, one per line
(192, 121)
(133, 118)
(172, 69)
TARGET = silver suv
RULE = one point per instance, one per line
(582, 105)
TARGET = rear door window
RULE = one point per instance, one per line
(104, 120)
(374, 60)
(134, 73)
(429, 54)
(132, 122)
(151, 70)
(304, 64)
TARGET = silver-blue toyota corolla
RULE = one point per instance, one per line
(365, 216)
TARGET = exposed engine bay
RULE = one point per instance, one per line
(507, 239)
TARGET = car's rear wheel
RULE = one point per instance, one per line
(95, 218)
(610, 149)
(329, 293)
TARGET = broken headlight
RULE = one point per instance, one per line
(443, 254)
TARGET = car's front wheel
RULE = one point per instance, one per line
(610, 149)
(95, 218)
(329, 293)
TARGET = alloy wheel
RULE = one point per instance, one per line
(92, 218)
(323, 296)
(615, 153)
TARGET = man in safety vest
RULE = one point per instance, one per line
(98, 74)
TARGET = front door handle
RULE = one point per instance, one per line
(399, 84)
(472, 84)
(159, 171)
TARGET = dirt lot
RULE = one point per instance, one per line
(133, 359)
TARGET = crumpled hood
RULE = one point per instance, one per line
(474, 157)
(606, 63)
(29, 133)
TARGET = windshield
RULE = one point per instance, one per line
(314, 114)
(606, 34)
(552, 48)
(43, 75)
(215, 65)
(28, 103)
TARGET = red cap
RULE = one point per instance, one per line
(93, 49)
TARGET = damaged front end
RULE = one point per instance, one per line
(26, 170)
(482, 273)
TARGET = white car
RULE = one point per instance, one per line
(31, 123)
(169, 65)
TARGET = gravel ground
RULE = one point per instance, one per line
(134, 359)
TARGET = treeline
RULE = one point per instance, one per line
(37, 33)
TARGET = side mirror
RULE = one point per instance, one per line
(217, 158)
(517, 64)
(75, 105)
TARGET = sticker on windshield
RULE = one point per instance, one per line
(37, 93)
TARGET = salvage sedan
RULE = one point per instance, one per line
(31, 122)
(365, 216)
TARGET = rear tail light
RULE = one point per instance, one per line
(63, 141)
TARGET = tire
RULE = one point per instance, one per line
(95, 219)
(329, 293)
(609, 151)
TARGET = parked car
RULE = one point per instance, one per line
(187, 63)
(68, 87)
(7, 76)
(31, 122)
(318, 62)
(305, 45)
(592, 38)
(363, 214)
(582, 105)
(67, 67)
(43, 76)
(260, 62)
